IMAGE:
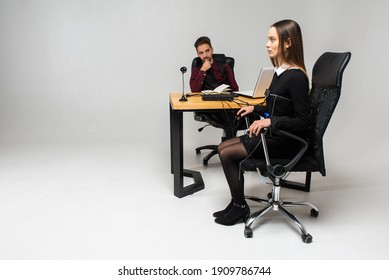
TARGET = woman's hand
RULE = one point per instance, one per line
(256, 127)
(244, 111)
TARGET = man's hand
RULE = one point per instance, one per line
(207, 63)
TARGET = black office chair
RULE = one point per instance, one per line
(324, 95)
(218, 119)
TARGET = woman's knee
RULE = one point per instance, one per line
(225, 145)
(221, 147)
(227, 152)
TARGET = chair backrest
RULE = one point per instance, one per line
(221, 58)
(327, 76)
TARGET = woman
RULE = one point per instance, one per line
(288, 107)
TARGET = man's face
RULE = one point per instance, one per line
(205, 52)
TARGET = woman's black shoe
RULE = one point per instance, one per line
(221, 213)
(237, 214)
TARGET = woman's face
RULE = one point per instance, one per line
(272, 44)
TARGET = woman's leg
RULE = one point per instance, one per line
(222, 146)
(231, 152)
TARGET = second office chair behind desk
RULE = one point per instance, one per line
(221, 119)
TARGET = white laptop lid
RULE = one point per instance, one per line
(263, 82)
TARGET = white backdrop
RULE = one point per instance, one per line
(84, 70)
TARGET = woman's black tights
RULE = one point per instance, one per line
(231, 153)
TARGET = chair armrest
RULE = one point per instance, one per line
(279, 170)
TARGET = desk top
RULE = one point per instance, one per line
(196, 103)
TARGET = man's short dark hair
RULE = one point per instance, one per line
(202, 40)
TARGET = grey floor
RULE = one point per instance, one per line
(113, 201)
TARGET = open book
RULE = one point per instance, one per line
(223, 88)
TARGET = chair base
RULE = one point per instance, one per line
(213, 152)
(274, 203)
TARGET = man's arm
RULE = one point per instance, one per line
(196, 79)
(231, 79)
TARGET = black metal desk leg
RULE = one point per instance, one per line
(177, 158)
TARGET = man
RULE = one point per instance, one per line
(212, 73)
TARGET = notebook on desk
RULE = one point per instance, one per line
(263, 82)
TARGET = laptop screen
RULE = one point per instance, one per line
(263, 82)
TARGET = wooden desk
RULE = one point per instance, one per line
(194, 103)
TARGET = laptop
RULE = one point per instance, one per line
(264, 79)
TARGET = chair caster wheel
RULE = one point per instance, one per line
(307, 238)
(205, 163)
(248, 232)
(198, 152)
(314, 213)
(269, 195)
